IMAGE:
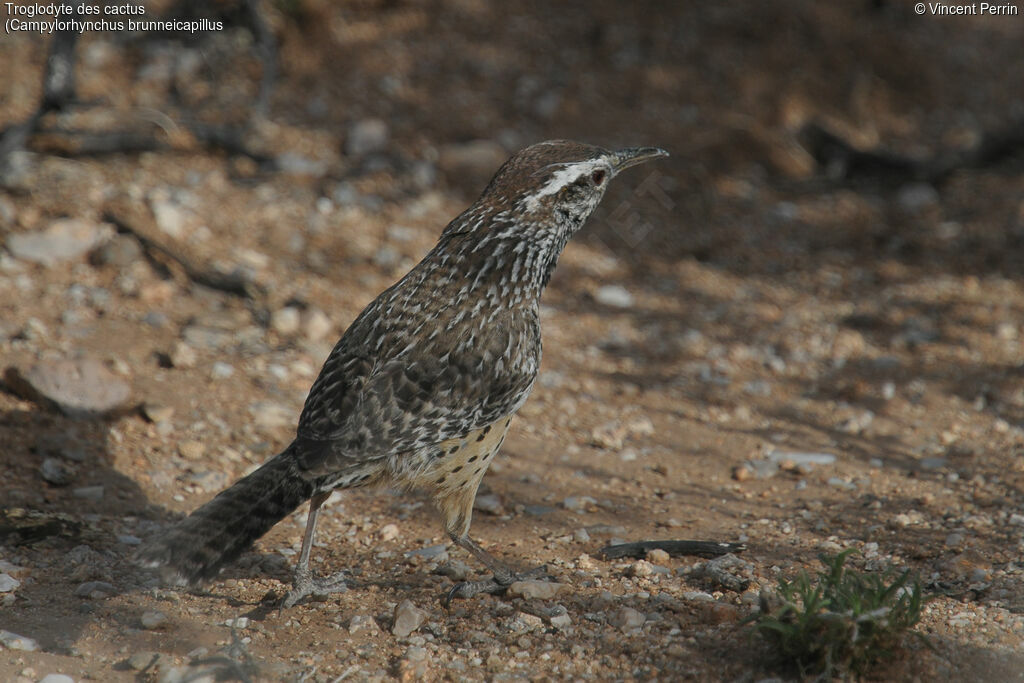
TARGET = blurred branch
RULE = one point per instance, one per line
(58, 90)
(842, 161)
(169, 260)
(59, 94)
(675, 548)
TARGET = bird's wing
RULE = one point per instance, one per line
(361, 410)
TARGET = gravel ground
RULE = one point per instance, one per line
(736, 348)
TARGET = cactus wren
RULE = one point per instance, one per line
(420, 390)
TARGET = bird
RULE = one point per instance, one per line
(420, 390)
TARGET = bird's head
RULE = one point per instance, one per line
(561, 181)
(536, 201)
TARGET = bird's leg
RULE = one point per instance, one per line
(304, 583)
(456, 509)
(502, 576)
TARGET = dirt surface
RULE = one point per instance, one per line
(730, 303)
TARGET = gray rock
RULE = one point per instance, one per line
(285, 321)
(561, 621)
(579, 503)
(489, 503)
(171, 218)
(55, 471)
(8, 583)
(627, 619)
(363, 623)
(366, 136)
(431, 552)
(56, 678)
(917, 196)
(221, 370)
(408, 618)
(456, 570)
(525, 622)
(537, 590)
(12, 641)
(841, 484)
(153, 619)
(93, 493)
(156, 413)
(204, 337)
(190, 449)
(95, 590)
(802, 458)
(615, 296)
(315, 324)
(141, 661)
(82, 387)
(119, 251)
(182, 355)
(299, 164)
(64, 240)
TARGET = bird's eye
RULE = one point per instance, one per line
(598, 176)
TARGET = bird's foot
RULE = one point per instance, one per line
(494, 584)
(306, 585)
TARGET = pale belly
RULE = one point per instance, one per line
(458, 465)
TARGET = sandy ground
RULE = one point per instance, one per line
(724, 306)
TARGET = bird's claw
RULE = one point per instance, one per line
(498, 583)
(306, 585)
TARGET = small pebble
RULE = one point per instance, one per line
(221, 370)
(152, 619)
(182, 356)
(56, 678)
(363, 623)
(537, 590)
(658, 556)
(525, 622)
(408, 618)
(191, 449)
(615, 296)
(12, 641)
(315, 324)
(627, 619)
(437, 552)
(578, 503)
(489, 503)
(285, 321)
(366, 136)
(156, 413)
(8, 583)
(55, 471)
(142, 660)
(561, 621)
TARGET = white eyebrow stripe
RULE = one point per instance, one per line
(564, 177)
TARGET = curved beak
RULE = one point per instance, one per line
(624, 158)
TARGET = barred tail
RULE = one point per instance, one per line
(198, 546)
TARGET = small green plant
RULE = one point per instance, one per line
(841, 621)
